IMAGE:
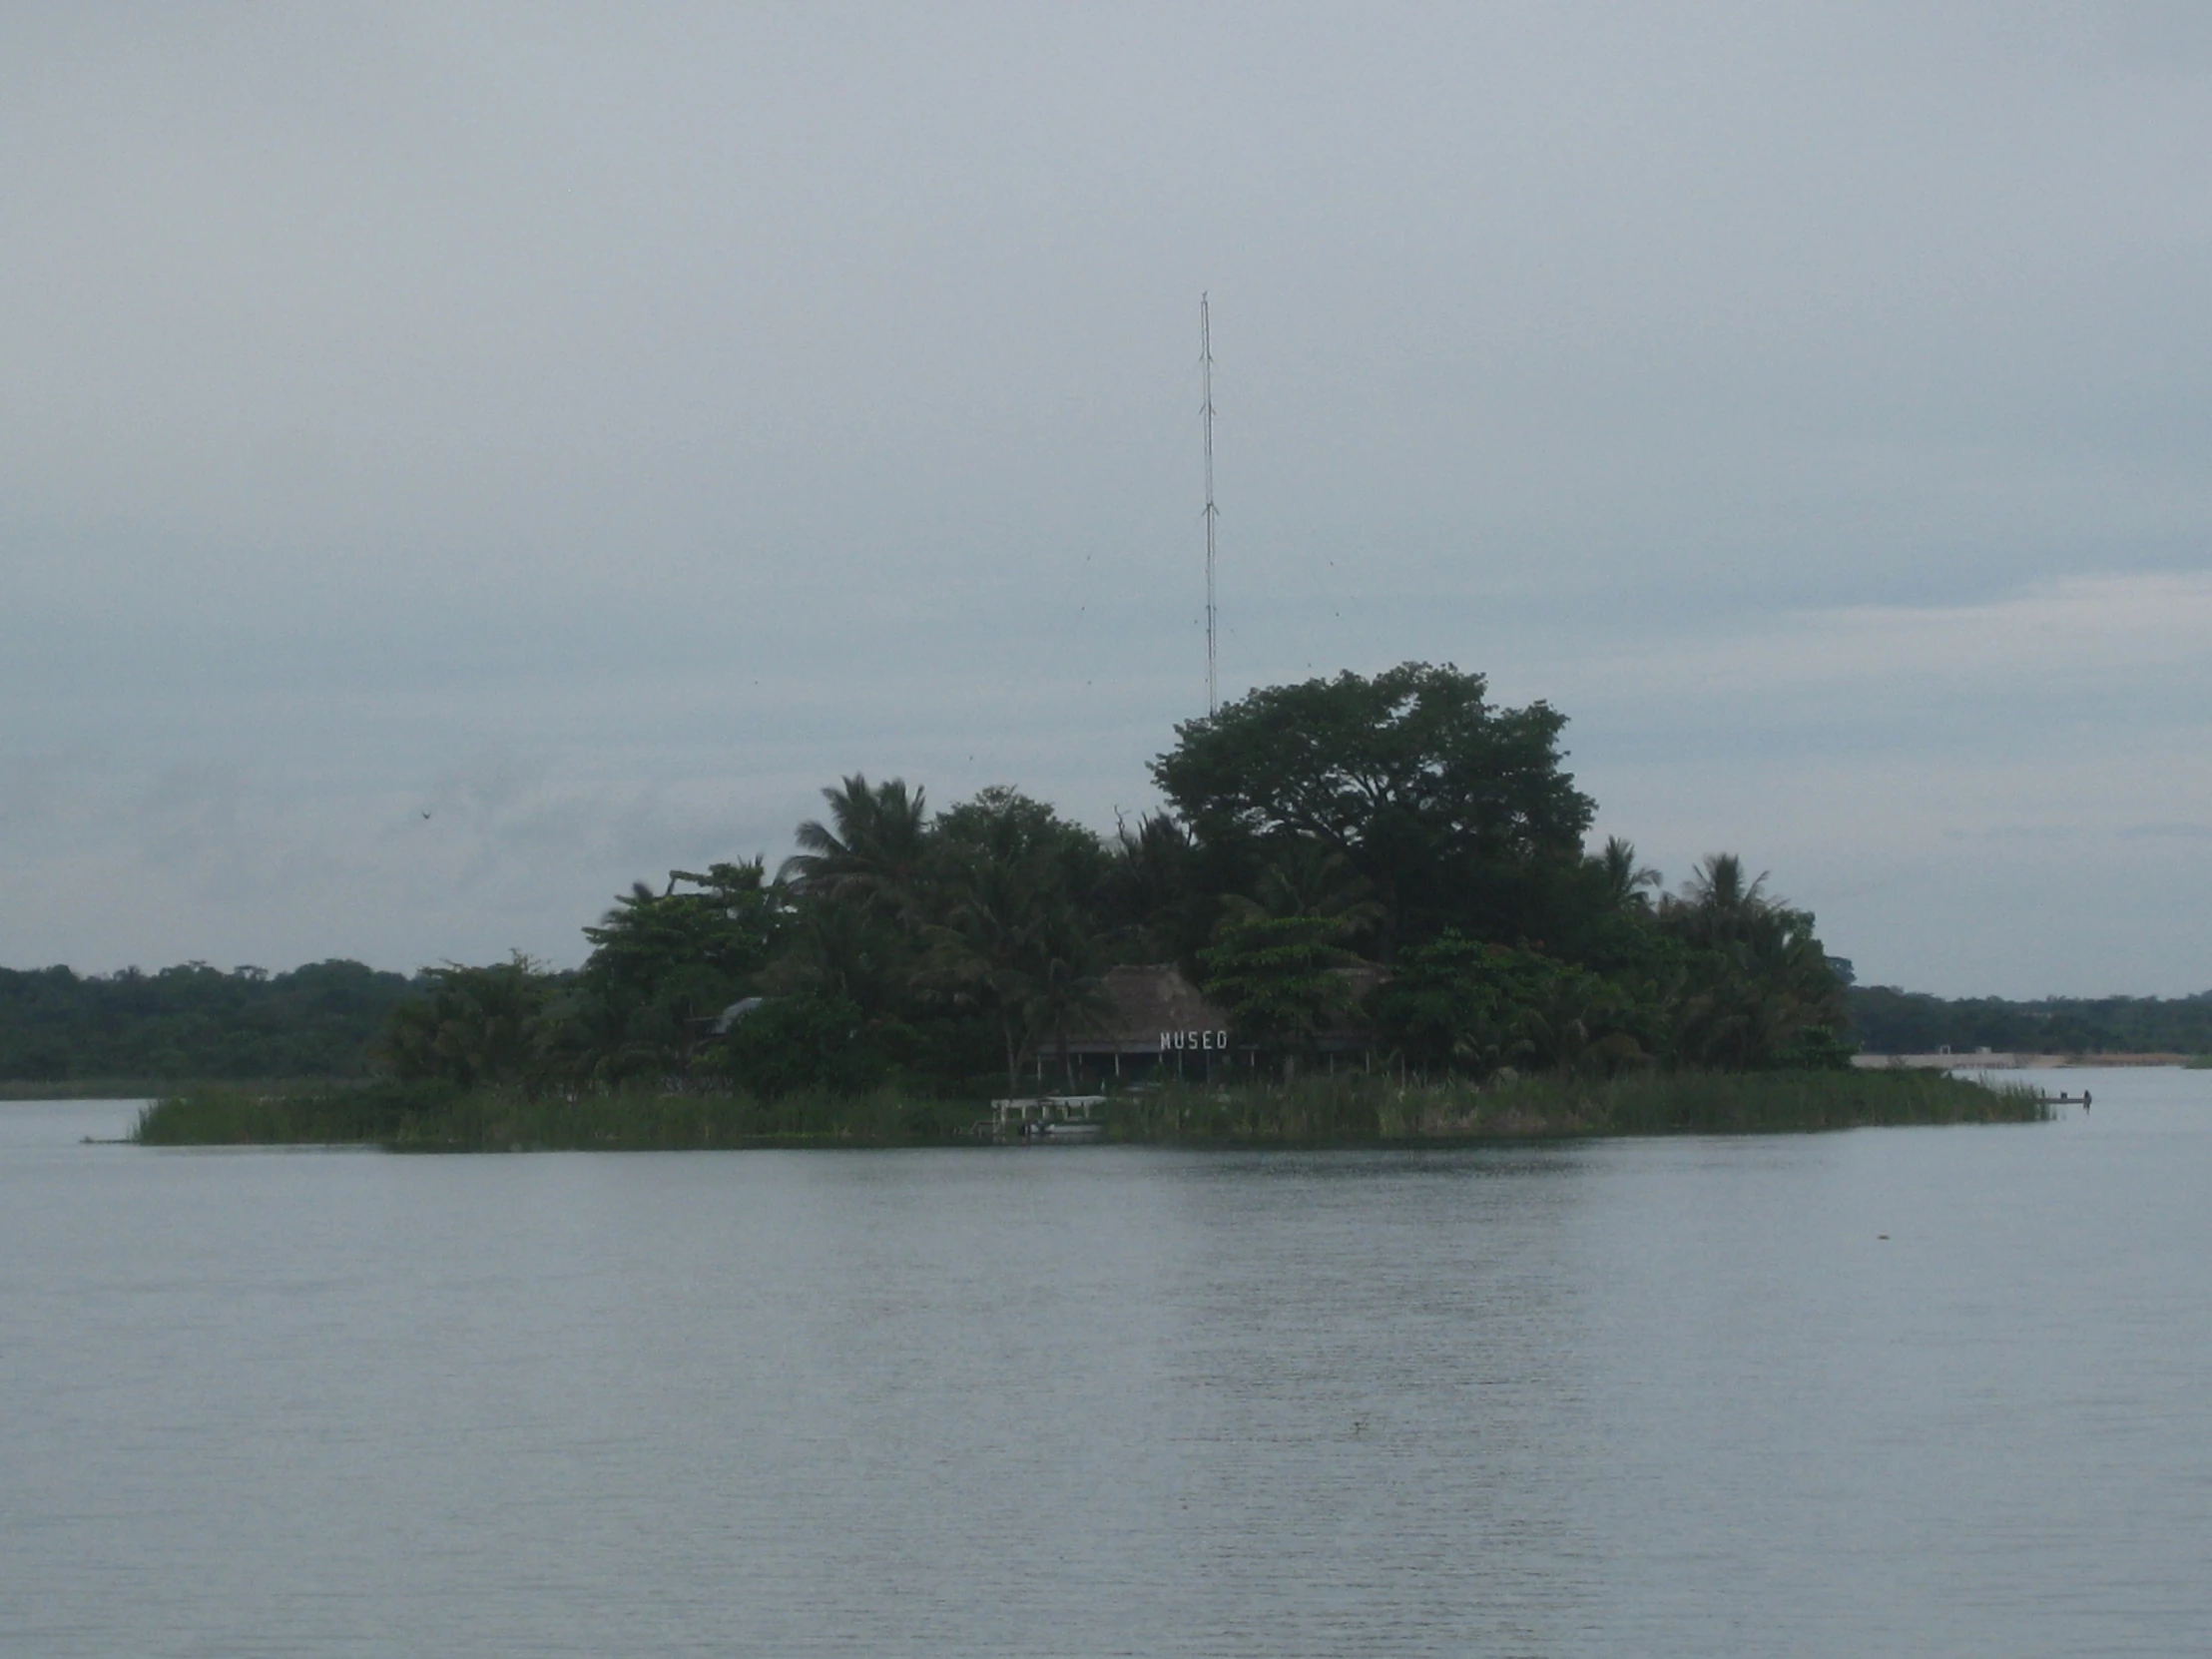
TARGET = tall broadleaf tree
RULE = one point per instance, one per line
(664, 964)
(1440, 800)
(1015, 889)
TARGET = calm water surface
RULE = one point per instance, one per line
(1667, 1397)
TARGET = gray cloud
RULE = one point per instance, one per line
(602, 429)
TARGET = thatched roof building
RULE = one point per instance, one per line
(1152, 1011)
(1156, 1021)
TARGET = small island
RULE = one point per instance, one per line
(1370, 913)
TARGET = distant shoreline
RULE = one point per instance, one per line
(1997, 1060)
(154, 1088)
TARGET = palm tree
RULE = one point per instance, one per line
(1717, 904)
(983, 952)
(478, 1025)
(1311, 879)
(1066, 982)
(874, 846)
(1148, 887)
(1762, 980)
(1009, 936)
(1621, 878)
(845, 950)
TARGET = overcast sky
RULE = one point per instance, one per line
(597, 429)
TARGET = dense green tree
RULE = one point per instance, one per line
(1013, 887)
(1154, 907)
(1460, 1004)
(663, 966)
(1758, 989)
(1302, 877)
(1065, 982)
(731, 922)
(476, 1026)
(1066, 863)
(844, 946)
(1444, 803)
(1280, 980)
(810, 1042)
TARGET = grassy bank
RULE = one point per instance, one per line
(1341, 1111)
(408, 1118)
(1367, 1110)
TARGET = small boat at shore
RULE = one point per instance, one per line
(1068, 1117)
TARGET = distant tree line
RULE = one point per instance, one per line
(322, 1020)
(1887, 1020)
(1395, 851)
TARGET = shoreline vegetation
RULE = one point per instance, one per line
(1368, 1110)
(168, 1088)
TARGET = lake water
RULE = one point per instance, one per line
(1653, 1398)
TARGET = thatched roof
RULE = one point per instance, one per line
(1145, 1002)
(1154, 998)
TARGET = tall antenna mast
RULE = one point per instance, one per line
(1206, 371)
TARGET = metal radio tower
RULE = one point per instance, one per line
(1206, 371)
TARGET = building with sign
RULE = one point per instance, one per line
(1157, 1024)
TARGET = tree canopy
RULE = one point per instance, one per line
(194, 1021)
(1393, 854)
(1447, 805)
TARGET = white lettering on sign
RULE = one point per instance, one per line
(1201, 1040)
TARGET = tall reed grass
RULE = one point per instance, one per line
(248, 1114)
(1368, 1109)
(1346, 1109)
(413, 1118)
